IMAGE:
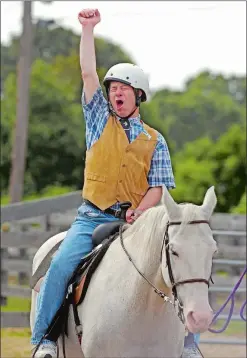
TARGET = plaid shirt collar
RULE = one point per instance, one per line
(133, 120)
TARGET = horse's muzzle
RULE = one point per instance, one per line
(198, 321)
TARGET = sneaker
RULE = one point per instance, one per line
(47, 350)
(191, 352)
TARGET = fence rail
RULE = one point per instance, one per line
(26, 226)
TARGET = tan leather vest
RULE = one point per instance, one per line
(116, 170)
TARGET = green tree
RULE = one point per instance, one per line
(56, 130)
(193, 171)
(56, 144)
(241, 207)
(208, 106)
(204, 163)
(51, 40)
(230, 155)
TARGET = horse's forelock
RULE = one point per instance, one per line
(189, 213)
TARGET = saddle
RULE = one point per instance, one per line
(102, 237)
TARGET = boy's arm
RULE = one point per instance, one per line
(160, 173)
(88, 19)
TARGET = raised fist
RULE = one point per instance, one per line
(89, 16)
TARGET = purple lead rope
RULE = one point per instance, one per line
(190, 339)
(242, 311)
(230, 298)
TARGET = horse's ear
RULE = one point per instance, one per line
(209, 202)
(169, 203)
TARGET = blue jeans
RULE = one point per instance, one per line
(191, 339)
(77, 243)
(197, 338)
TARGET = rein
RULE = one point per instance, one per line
(174, 284)
(156, 290)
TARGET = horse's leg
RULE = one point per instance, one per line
(37, 259)
(45, 248)
(33, 308)
(72, 345)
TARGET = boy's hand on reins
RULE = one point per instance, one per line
(132, 215)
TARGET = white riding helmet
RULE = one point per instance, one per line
(129, 74)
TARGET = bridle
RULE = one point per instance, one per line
(177, 301)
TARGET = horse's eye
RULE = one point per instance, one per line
(175, 253)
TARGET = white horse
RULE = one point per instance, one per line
(121, 314)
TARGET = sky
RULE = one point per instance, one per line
(170, 40)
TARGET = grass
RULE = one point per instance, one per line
(15, 342)
(222, 273)
(15, 332)
(235, 328)
(17, 304)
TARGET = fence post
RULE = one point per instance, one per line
(23, 277)
(4, 278)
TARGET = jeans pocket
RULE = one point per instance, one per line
(92, 214)
(88, 211)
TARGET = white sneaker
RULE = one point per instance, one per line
(190, 352)
(47, 350)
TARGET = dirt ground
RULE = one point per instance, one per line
(226, 351)
(222, 351)
(18, 347)
(15, 347)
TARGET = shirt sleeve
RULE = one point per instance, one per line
(96, 113)
(161, 172)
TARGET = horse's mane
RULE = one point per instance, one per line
(147, 232)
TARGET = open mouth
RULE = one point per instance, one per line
(119, 104)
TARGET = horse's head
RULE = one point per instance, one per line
(187, 257)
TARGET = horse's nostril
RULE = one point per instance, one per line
(191, 318)
(199, 318)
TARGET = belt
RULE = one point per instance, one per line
(109, 211)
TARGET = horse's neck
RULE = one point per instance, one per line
(144, 243)
(145, 251)
(146, 258)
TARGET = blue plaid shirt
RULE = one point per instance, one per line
(96, 113)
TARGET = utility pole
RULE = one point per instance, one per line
(19, 147)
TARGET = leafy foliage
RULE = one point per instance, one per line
(241, 207)
(52, 40)
(204, 125)
(208, 106)
(204, 163)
